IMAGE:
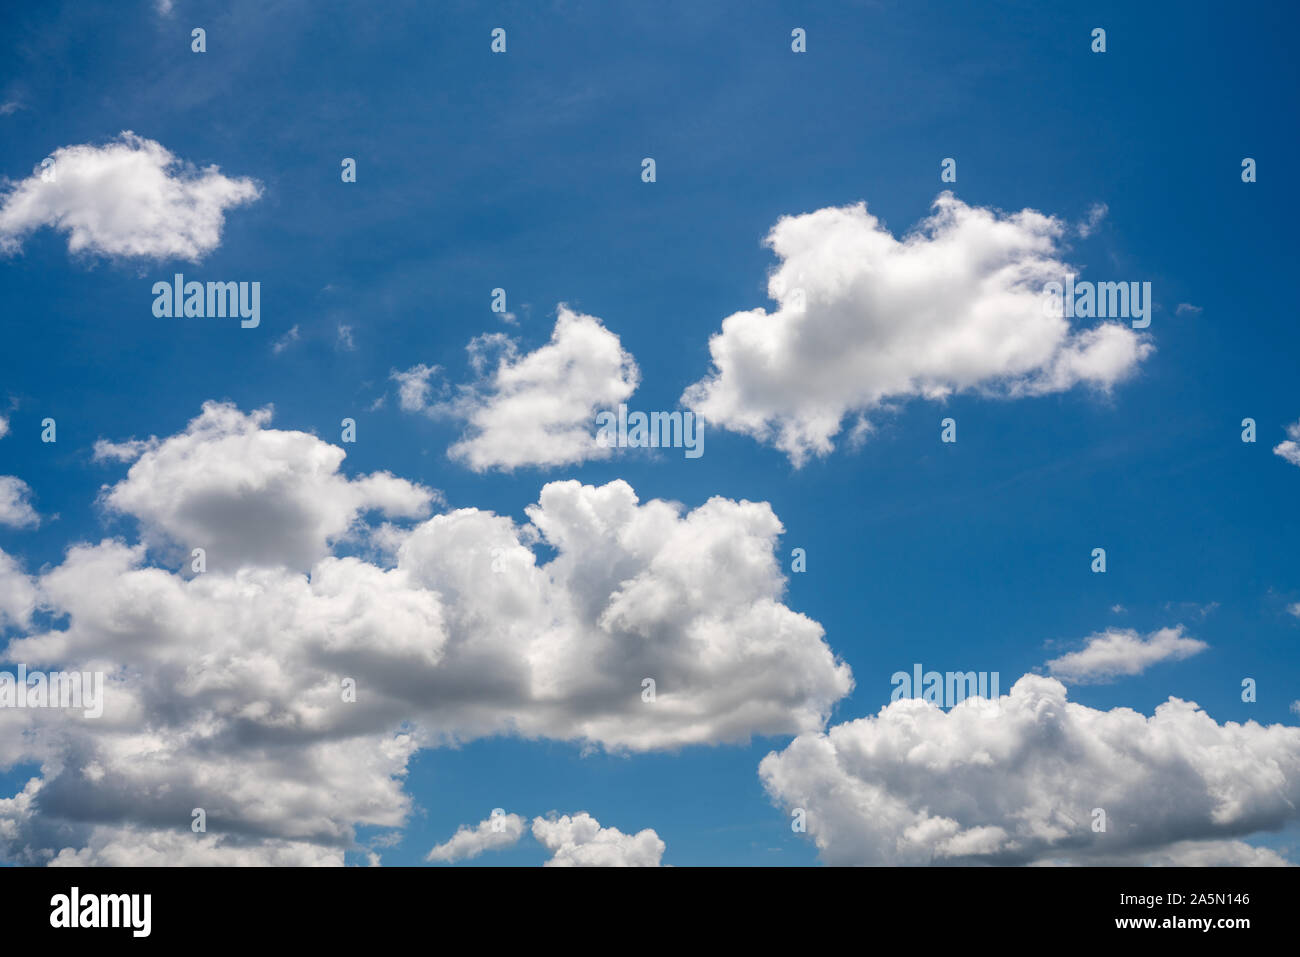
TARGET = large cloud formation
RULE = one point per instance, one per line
(1016, 781)
(128, 198)
(864, 319)
(226, 690)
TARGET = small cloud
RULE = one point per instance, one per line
(1118, 609)
(1187, 309)
(128, 451)
(1095, 215)
(413, 389)
(1117, 653)
(345, 340)
(285, 341)
(1295, 707)
(1191, 609)
(499, 831)
(861, 430)
(1294, 609)
(580, 841)
(11, 106)
(1290, 449)
(15, 509)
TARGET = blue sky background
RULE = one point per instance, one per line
(523, 171)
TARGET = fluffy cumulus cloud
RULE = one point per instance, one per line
(690, 600)
(15, 505)
(18, 596)
(580, 841)
(538, 408)
(1016, 781)
(127, 198)
(249, 495)
(864, 319)
(1290, 449)
(575, 840)
(15, 496)
(496, 832)
(1120, 652)
(232, 690)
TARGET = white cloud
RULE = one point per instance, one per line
(223, 689)
(111, 846)
(1096, 213)
(285, 341)
(413, 388)
(18, 595)
(1186, 309)
(575, 840)
(4, 426)
(491, 834)
(1016, 781)
(634, 591)
(127, 198)
(1290, 449)
(127, 451)
(1120, 652)
(580, 841)
(132, 847)
(865, 319)
(539, 409)
(247, 494)
(1188, 854)
(15, 509)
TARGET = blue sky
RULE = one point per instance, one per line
(523, 171)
